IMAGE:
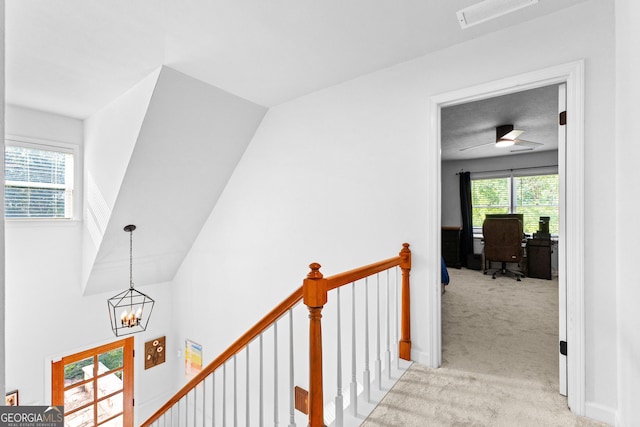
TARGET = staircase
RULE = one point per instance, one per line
(262, 376)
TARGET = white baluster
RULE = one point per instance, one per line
(292, 417)
(396, 342)
(204, 405)
(195, 405)
(213, 398)
(275, 374)
(339, 399)
(186, 409)
(247, 394)
(261, 381)
(224, 395)
(366, 375)
(388, 352)
(235, 392)
(354, 382)
(378, 361)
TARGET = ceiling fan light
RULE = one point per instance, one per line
(512, 135)
(504, 142)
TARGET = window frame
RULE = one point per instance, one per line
(57, 146)
(510, 174)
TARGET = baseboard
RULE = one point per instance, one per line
(601, 413)
(421, 357)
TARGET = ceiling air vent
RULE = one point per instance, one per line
(489, 9)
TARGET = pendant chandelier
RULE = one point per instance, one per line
(130, 310)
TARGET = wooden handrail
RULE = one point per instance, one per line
(234, 348)
(314, 293)
(362, 272)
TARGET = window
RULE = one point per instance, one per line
(38, 181)
(531, 195)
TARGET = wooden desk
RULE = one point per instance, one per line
(539, 258)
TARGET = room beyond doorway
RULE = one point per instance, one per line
(508, 179)
(571, 239)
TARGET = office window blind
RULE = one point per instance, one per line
(38, 183)
(489, 196)
(537, 196)
(533, 196)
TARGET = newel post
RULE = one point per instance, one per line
(405, 340)
(314, 294)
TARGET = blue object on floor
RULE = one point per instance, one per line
(444, 276)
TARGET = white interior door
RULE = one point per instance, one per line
(562, 267)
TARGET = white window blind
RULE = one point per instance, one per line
(490, 196)
(38, 182)
(534, 196)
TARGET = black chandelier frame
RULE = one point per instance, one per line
(136, 307)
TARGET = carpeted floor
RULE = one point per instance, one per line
(500, 363)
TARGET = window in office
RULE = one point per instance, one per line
(489, 196)
(38, 181)
(533, 196)
(537, 196)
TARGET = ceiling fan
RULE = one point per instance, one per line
(507, 136)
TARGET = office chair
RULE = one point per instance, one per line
(503, 243)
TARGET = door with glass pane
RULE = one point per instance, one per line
(96, 386)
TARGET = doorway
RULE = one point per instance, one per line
(570, 169)
(95, 386)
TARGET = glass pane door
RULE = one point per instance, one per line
(96, 386)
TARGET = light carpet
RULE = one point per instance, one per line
(500, 362)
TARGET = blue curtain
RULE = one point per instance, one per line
(466, 236)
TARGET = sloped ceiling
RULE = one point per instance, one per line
(72, 57)
(189, 143)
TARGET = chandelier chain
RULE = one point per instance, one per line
(131, 259)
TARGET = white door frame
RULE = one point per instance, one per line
(570, 166)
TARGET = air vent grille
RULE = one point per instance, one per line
(489, 9)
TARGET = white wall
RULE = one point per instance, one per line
(450, 213)
(340, 177)
(42, 125)
(110, 136)
(627, 184)
(46, 315)
(2, 233)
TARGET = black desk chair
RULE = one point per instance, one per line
(503, 243)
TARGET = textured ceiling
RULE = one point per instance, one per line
(72, 57)
(534, 111)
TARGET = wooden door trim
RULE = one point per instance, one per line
(57, 374)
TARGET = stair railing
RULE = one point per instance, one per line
(314, 294)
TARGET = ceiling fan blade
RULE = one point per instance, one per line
(522, 149)
(526, 143)
(477, 146)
